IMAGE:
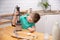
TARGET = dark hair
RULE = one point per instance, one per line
(36, 17)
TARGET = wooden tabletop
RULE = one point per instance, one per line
(6, 34)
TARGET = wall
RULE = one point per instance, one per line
(7, 6)
(55, 4)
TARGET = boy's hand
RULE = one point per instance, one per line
(31, 29)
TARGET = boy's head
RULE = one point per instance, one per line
(33, 17)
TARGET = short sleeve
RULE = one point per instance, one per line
(33, 24)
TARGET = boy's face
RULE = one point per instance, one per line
(29, 18)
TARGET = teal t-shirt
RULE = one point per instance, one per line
(24, 22)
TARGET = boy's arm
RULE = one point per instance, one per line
(34, 28)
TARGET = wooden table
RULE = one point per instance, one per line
(5, 34)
